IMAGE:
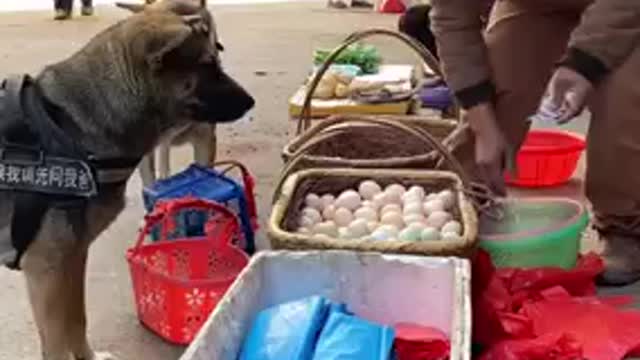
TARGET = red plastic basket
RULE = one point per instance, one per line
(547, 158)
(249, 185)
(178, 283)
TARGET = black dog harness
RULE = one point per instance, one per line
(42, 164)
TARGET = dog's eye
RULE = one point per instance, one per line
(219, 46)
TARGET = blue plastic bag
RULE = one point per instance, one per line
(346, 337)
(287, 331)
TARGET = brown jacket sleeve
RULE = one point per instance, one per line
(608, 33)
(457, 26)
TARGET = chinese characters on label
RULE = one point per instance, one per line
(58, 178)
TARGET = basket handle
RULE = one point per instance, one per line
(247, 180)
(164, 211)
(304, 122)
(420, 134)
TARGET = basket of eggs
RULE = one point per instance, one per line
(422, 212)
(358, 143)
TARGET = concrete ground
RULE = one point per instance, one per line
(268, 50)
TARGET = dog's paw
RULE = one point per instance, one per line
(104, 356)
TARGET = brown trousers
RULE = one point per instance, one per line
(525, 41)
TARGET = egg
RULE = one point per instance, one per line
(450, 236)
(366, 213)
(329, 212)
(349, 199)
(313, 201)
(327, 200)
(306, 222)
(412, 208)
(390, 208)
(372, 226)
(392, 218)
(433, 206)
(448, 199)
(409, 197)
(414, 219)
(437, 219)
(312, 214)
(416, 225)
(327, 228)
(370, 204)
(430, 234)
(368, 189)
(409, 234)
(358, 228)
(344, 233)
(418, 190)
(392, 197)
(452, 227)
(430, 197)
(343, 217)
(396, 189)
(379, 200)
(384, 233)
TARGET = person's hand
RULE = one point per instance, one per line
(568, 92)
(490, 147)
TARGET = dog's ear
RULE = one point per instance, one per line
(186, 40)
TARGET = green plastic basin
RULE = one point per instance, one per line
(535, 233)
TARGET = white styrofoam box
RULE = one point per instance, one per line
(388, 289)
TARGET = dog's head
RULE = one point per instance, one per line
(174, 46)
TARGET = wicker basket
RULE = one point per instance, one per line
(294, 186)
(361, 145)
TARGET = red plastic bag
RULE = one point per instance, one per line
(393, 7)
(415, 342)
(549, 314)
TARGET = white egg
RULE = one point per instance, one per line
(358, 228)
(410, 234)
(430, 234)
(450, 236)
(392, 218)
(430, 197)
(392, 197)
(321, 237)
(306, 222)
(448, 199)
(390, 208)
(368, 189)
(414, 219)
(396, 189)
(372, 226)
(412, 208)
(329, 212)
(345, 233)
(379, 200)
(349, 199)
(409, 197)
(327, 199)
(417, 225)
(327, 228)
(418, 190)
(384, 232)
(304, 230)
(313, 201)
(366, 213)
(437, 219)
(433, 206)
(343, 217)
(312, 214)
(452, 227)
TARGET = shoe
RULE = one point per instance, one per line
(86, 11)
(621, 257)
(337, 4)
(61, 14)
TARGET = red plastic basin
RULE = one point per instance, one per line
(547, 158)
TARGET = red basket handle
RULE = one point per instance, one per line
(164, 210)
(248, 181)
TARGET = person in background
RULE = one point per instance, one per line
(415, 23)
(577, 53)
(64, 9)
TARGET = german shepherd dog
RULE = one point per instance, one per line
(136, 82)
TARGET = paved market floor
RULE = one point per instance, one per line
(268, 49)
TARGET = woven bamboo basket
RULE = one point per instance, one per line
(363, 145)
(294, 186)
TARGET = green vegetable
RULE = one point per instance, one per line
(366, 57)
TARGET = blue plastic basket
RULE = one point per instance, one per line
(205, 183)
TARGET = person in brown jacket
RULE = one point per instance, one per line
(583, 53)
